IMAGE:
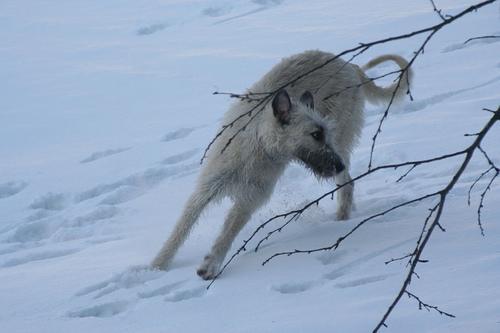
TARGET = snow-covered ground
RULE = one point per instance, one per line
(106, 108)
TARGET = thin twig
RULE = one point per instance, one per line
(483, 195)
(438, 11)
(297, 212)
(335, 245)
(444, 193)
(428, 307)
(481, 37)
(361, 47)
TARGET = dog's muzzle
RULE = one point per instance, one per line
(335, 166)
(325, 163)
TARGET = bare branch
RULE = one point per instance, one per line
(262, 103)
(337, 93)
(481, 37)
(490, 162)
(297, 212)
(362, 47)
(406, 173)
(483, 195)
(260, 100)
(249, 97)
(420, 248)
(399, 258)
(475, 182)
(335, 245)
(428, 307)
(398, 84)
(438, 11)
(349, 61)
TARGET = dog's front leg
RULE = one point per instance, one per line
(345, 195)
(236, 219)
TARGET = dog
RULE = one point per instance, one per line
(300, 124)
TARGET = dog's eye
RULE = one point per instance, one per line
(318, 135)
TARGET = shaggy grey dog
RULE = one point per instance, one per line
(299, 125)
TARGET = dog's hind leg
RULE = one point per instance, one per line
(345, 194)
(236, 219)
(195, 205)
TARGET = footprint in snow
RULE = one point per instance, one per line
(38, 215)
(183, 295)
(11, 188)
(135, 185)
(164, 290)
(151, 29)
(38, 256)
(421, 104)
(263, 5)
(345, 268)
(293, 288)
(35, 231)
(439, 98)
(50, 201)
(100, 311)
(42, 225)
(98, 214)
(130, 278)
(335, 274)
(268, 3)
(123, 194)
(102, 154)
(102, 240)
(361, 281)
(181, 157)
(12, 248)
(328, 258)
(181, 133)
(216, 11)
(251, 12)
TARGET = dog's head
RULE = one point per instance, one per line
(305, 136)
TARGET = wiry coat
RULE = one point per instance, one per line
(248, 168)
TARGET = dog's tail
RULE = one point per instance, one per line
(376, 94)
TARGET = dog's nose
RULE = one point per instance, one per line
(339, 166)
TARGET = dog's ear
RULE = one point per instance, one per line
(307, 99)
(282, 106)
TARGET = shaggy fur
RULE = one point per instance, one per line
(248, 169)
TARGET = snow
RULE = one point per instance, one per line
(105, 111)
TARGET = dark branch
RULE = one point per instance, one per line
(362, 47)
(394, 93)
(372, 79)
(475, 182)
(335, 245)
(481, 37)
(438, 11)
(441, 204)
(409, 255)
(483, 195)
(406, 173)
(297, 212)
(428, 307)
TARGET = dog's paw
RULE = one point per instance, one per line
(209, 268)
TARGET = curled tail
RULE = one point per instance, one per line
(376, 94)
